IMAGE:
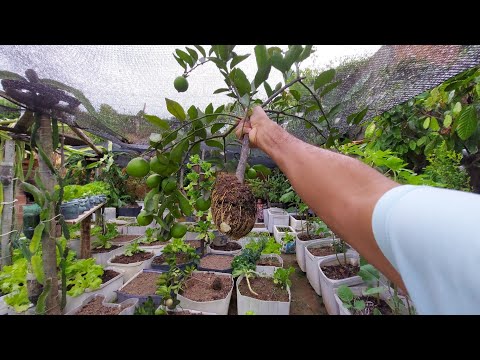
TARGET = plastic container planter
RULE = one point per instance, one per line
(178, 309)
(277, 217)
(300, 250)
(266, 270)
(311, 263)
(261, 307)
(130, 269)
(166, 267)
(70, 209)
(156, 249)
(110, 214)
(129, 304)
(102, 258)
(278, 235)
(297, 225)
(219, 307)
(122, 296)
(107, 290)
(221, 252)
(328, 286)
(226, 271)
(129, 211)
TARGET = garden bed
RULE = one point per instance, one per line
(265, 288)
(124, 259)
(142, 286)
(322, 251)
(181, 260)
(103, 250)
(123, 239)
(96, 307)
(339, 272)
(215, 262)
(230, 246)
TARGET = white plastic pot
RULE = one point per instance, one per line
(219, 307)
(265, 217)
(261, 307)
(357, 291)
(268, 270)
(107, 290)
(178, 309)
(129, 305)
(102, 258)
(156, 249)
(221, 252)
(297, 225)
(277, 216)
(328, 286)
(109, 214)
(3, 306)
(130, 269)
(311, 263)
(300, 250)
(278, 235)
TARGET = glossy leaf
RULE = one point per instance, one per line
(175, 109)
(324, 78)
(184, 56)
(305, 53)
(240, 80)
(345, 293)
(201, 49)
(214, 143)
(216, 127)
(192, 112)
(426, 123)
(155, 120)
(330, 87)
(237, 59)
(467, 122)
(221, 90)
(447, 121)
(193, 54)
(180, 62)
(268, 89)
(434, 124)
(292, 55)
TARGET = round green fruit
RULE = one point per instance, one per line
(143, 219)
(180, 83)
(178, 230)
(169, 185)
(202, 205)
(169, 302)
(156, 166)
(138, 167)
(251, 173)
(153, 181)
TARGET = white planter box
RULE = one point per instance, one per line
(102, 258)
(297, 225)
(300, 250)
(134, 230)
(357, 291)
(107, 290)
(109, 214)
(131, 269)
(268, 270)
(311, 263)
(278, 235)
(265, 217)
(328, 285)
(219, 307)
(156, 249)
(3, 306)
(131, 303)
(277, 217)
(220, 252)
(261, 307)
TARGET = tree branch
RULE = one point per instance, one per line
(298, 117)
(275, 94)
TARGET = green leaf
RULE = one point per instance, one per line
(224, 51)
(368, 273)
(216, 127)
(447, 121)
(220, 63)
(292, 55)
(209, 109)
(219, 109)
(329, 88)
(237, 59)
(412, 144)
(261, 56)
(359, 305)
(176, 154)
(296, 95)
(330, 142)
(421, 141)
(37, 267)
(214, 143)
(155, 120)
(262, 169)
(276, 59)
(305, 53)
(324, 78)
(374, 290)
(467, 122)
(175, 109)
(345, 293)
(370, 130)
(261, 76)
(457, 108)
(426, 123)
(192, 112)
(41, 307)
(221, 90)
(268, 89)
(193, 54)
(376, 312)
(241, 82)
(180, 62)
(434, 124)
(185, 57)
(201, 49)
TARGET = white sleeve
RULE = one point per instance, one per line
(431, 237)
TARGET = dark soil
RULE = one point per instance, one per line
(123, 238)
(298, 217)
(265, 288)
(371, 303)
(155, 243)
(123, 259)
(144, 284)
(199, 287)
(306, 237)
(233, 203)
(181, 258)
(194, 243)
(103, 250)
(229, 246)
(269, 262)
(338, 272)
(283, 229)
(183, 312)
(95, 307)
(108, 275)
(322, 251)
(216, 262)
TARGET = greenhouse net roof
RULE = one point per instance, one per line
(128, 81)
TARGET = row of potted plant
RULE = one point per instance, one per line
(74, 208)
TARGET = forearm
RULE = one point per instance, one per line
(341, 190)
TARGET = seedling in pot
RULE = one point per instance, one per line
(287, 238)
(281, 277)
(132, 249)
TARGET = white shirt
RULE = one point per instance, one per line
(431, 236)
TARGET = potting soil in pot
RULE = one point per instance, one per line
(322, 251)
(283, 229)
(338, 272)
(124, 259)
(103, 250)
(269, 262)
(108, 275)
(230, 246)
(95, 307)
(216, 262)
(265, 288)
(144, 284)
(181, 258)
(123, 238)
(207, 287)
(183, 312)
(371, 303)
(194, 243)
(306, 237)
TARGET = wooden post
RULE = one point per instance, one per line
(6, 176)
(49, 254)
(85, 252)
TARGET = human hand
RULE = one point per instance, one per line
(256, 127)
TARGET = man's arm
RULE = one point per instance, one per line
(341, 190)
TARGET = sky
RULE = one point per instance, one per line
(129, 77)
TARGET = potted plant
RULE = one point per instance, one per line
(132, 260)
(97, 304)
(150, 242)
(279, 232)
(230, 248)
(335, 271)
(141, 286)
(305, 238)
(177, 253)
(265, 256)
(287, 240)
(278, 217)
(261, 294)
(102, 245)
(314, 251)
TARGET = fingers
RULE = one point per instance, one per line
(242, 128)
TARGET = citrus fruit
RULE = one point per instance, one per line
(251, 173)
(169, 184)
(138, 167)
(178, 230)
(143, 219)
(180, 84)
(156, 166)
(153, 181)
(169, 302)
(202, 205)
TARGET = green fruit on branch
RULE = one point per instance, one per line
(153, 181)
(202, 205)
(169, 303)
(185, 206)
(180, 83)
(178, 230)
(156, 166)
(169, 185)
(138, 167)
(143, 219)
(251, 173)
